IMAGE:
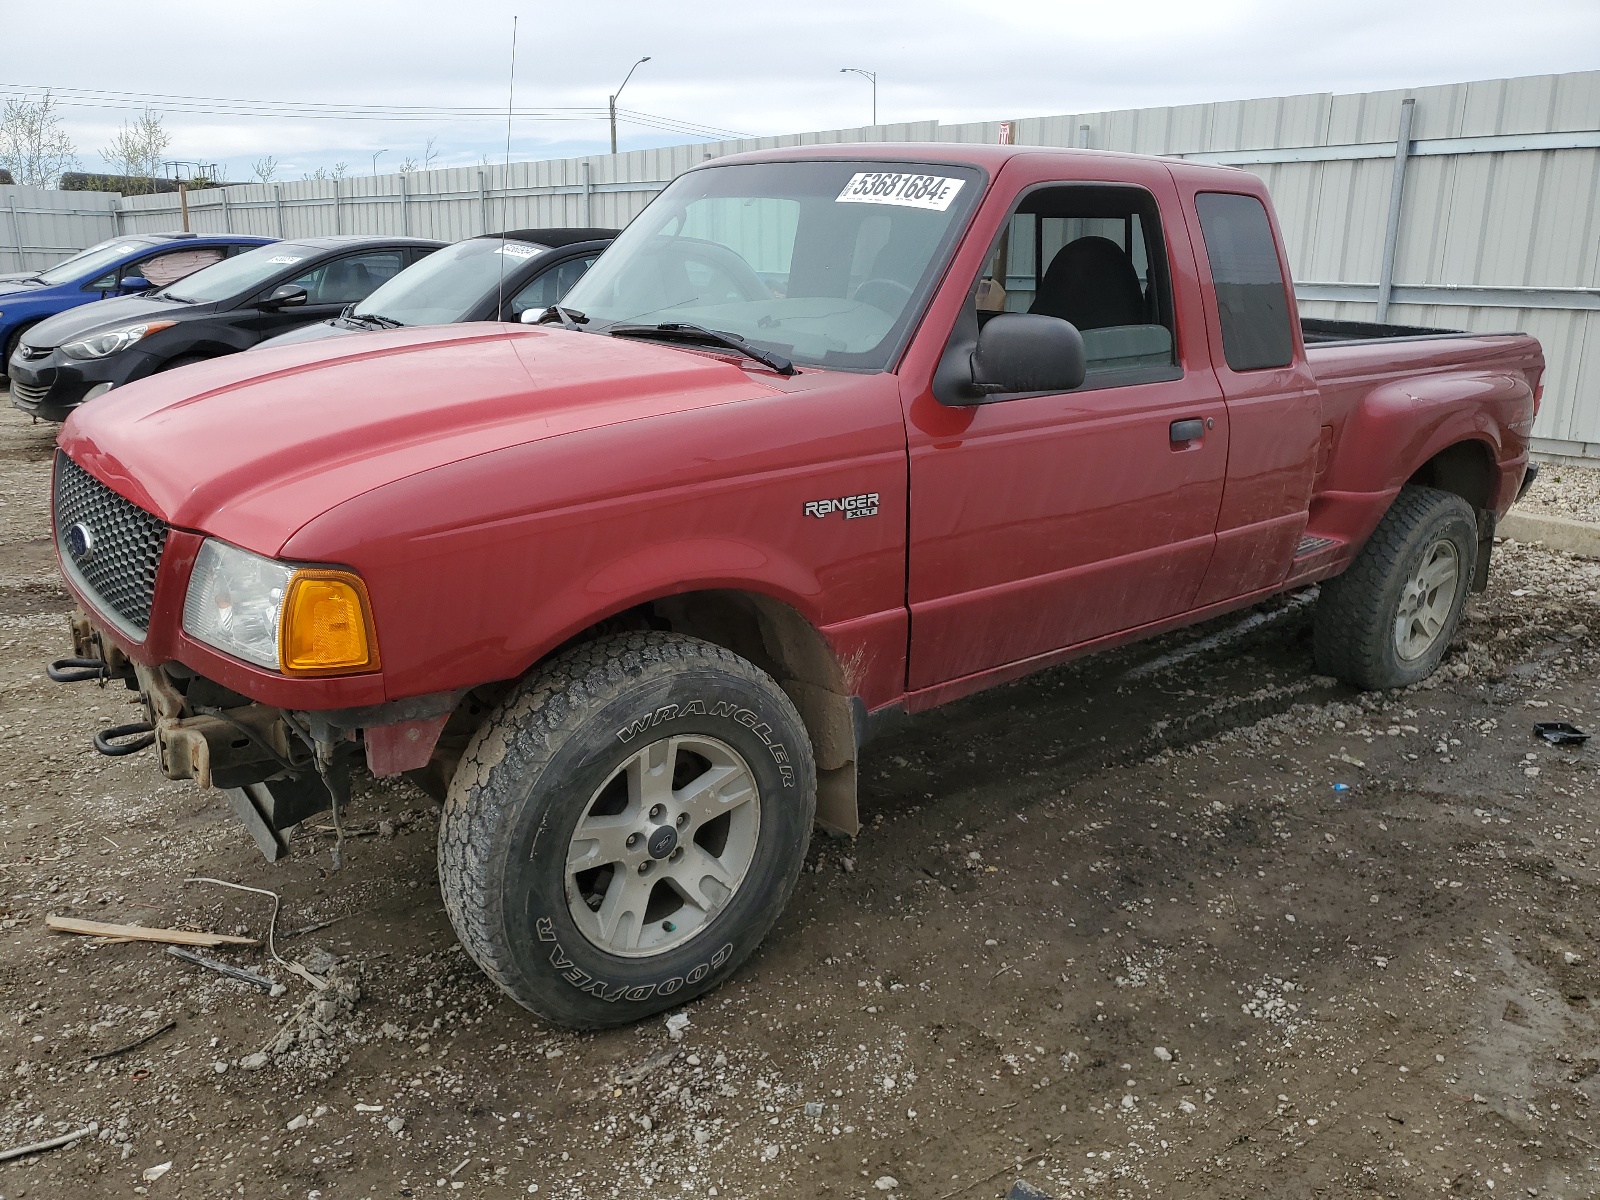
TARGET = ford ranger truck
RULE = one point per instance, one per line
(828, 434)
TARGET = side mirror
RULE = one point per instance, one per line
(136, 283)
(1027, 352)
(530, 316)
(285, 295)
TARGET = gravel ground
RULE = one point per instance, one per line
(1185, 920)
(1562, 491)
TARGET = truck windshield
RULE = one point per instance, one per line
(449, 283)
(238, 274)
(92, 261)
(826, 263)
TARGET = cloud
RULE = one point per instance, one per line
(749, 67)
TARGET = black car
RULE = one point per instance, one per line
(75, 356)
(494, 277)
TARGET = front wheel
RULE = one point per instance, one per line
(625, 828)
(1387, 621)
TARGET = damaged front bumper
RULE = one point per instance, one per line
(276, 766)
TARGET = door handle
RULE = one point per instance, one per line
(1183, 432)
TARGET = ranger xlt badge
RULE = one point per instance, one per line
(864, 505)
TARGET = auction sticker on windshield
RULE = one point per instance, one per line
(515, 250)
(286, 259)
(908, 191)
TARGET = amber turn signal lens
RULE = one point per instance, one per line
(327, 625)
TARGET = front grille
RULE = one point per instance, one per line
(116, 547)
(29, 394)
(29, 353)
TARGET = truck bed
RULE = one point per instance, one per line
(1320, 332)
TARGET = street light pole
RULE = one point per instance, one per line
(375, 161)
(625, 79)
(872, 78)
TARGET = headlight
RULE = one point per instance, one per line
(99, 345)
(295, 619)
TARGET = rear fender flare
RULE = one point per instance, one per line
(1399, 426)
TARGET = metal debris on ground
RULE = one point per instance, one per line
(1560, 733)
(272, 924)
(133, 1045)
(221, 968)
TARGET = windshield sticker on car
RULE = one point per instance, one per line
(908, 191)
(285, 259)
(513, 250)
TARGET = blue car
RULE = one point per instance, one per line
(118, 267)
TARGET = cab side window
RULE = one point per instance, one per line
(351, 278)
(550, 286)
(1092, 255)
(1252, 301)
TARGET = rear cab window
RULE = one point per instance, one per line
(1252, 300)
(1092, 255)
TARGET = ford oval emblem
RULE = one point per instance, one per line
(663, 841)
(80, 542)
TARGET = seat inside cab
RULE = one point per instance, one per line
(1091, 255)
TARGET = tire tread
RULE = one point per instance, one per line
(1349, 632)
(515, 743)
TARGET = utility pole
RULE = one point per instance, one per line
(375, 154)
(872, 78)
(625, 79)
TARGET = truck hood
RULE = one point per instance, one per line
(250, 447)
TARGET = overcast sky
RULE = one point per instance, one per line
(747, 66)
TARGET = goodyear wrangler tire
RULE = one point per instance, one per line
(626, 826)
(1387, 621)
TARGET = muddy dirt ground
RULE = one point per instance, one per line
(1180, 921)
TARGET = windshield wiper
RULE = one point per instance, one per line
(683, 331)
(380, 321)
(571, 318)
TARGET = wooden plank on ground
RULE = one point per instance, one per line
(138, 933)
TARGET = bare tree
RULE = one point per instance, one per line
(339, 170)
(33, 145)
(429, 154)
(265, 169)
(407, 166)
(136, 152)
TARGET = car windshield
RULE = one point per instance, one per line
(238, 274)
(826, 263)
(449, 283)
(92, 261)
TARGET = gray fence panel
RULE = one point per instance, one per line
(39, 228)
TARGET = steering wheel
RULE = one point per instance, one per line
(886, 295)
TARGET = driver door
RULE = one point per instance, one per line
(1042, 522)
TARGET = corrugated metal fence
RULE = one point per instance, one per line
(42, 227)
(1473, 205)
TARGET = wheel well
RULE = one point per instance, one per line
(1466, 468)
(779, 640)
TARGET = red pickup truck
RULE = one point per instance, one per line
(827, 434)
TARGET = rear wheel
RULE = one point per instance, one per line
(1387, 621)
(626, 827)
